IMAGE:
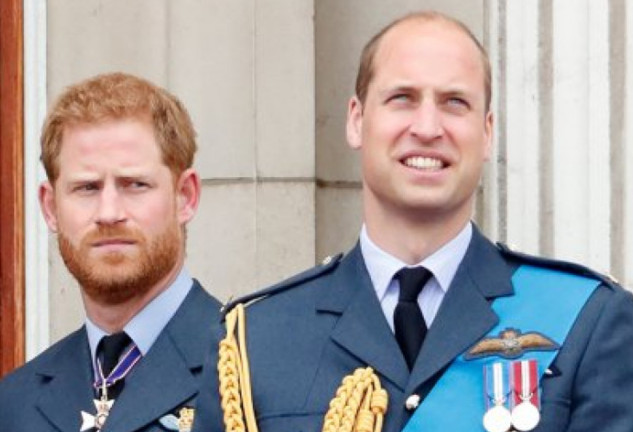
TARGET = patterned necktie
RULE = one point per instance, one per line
(409, 324)
(109, 351)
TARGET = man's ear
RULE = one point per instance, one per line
(46, 196)
(188, 189)
(354, 123)
(488, 130)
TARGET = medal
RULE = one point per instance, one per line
(525, 414)
(497, 417)
(103, 404)
(89, 421)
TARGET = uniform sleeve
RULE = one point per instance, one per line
(602, 395)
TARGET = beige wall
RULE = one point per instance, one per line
(267, 82)
(245, 71)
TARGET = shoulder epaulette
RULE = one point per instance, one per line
(564, 266)
(327, 265)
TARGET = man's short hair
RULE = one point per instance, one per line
(119, 96)
(366, 66)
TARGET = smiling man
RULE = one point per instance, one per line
(463, 335)
(118, 153)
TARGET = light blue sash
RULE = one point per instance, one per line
(545, 301)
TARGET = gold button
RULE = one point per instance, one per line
(412, 402)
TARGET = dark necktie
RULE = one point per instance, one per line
(408, 320)
(109, 351)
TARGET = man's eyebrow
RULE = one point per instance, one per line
(133, 177)
(80, 177)
(396, 89)
(405, 88)
(457, 93)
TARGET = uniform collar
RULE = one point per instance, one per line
(443, 263)
(146, 325)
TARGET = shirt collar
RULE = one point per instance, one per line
(443, 263)
(146, 325)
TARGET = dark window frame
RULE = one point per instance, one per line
(12, 337)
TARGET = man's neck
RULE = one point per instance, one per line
(412, 239)
(113, 318)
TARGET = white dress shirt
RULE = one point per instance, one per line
(443, 264)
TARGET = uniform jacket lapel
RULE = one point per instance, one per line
(362, 329)
(67, 384)
(465, 315)
(165, 378)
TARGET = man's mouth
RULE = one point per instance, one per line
(113, 242)
(423, 163)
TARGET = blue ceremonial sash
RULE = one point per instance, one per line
(544, 301)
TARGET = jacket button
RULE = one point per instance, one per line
(412, 402)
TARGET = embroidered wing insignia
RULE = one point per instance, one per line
(511, 344)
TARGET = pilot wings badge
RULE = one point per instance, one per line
(511, 344)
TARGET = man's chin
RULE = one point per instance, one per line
(112, 277)
(110, 291)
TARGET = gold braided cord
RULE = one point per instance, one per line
(234, 375)
(359, 405)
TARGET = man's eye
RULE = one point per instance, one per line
(458, 102)
(88, 187)
(138, 185)
(400, 97)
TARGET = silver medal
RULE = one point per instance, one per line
(96, 421)
(525, 416)
(497, 419)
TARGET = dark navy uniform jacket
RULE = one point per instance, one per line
(49, 392)
(310, 331)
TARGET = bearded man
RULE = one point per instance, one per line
(118, 153)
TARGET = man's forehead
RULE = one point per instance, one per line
(416, 29)
(112, 145)
(130, 133)
(441, 45)
(91, 171)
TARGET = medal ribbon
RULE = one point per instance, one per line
(545, 301)
(497, 384)
(120, 371)
(525, 382)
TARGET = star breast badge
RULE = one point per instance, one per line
(89, 421)
(511, 344)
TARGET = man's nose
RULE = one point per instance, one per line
(426, 123)
(110, 209)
